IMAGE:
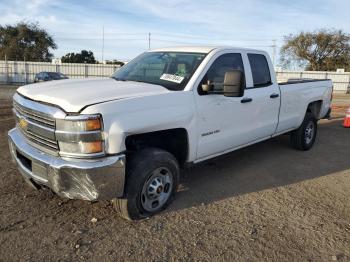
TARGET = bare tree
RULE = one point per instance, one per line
(323, 50)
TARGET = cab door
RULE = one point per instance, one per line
(225, 123)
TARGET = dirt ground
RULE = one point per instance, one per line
(266, 202)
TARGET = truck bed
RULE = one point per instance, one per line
(296, 95)
(301, 81)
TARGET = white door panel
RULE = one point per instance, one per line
(226, 122)
(264, 111)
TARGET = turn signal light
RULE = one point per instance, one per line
(93, 124)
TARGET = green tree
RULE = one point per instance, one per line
(25, 41)
(323, 50)
(82, 57)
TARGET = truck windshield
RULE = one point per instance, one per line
(171, 70)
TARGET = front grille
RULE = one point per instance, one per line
(35, 116)
(37, 127)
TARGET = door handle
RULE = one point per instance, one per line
(246, 100)
(274, 95)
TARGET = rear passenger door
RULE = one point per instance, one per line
(265, 97)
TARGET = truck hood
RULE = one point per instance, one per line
(75, 94)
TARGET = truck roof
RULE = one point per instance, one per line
(199, 49)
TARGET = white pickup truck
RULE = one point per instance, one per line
(124, 138)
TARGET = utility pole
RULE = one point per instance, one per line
(149, 41)
(274, 52)
(103, 43)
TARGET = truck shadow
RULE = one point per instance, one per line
(266, 165)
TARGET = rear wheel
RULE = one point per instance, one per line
(304, 137)
(152, 180)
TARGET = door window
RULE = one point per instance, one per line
(217, 71)
(260, 70)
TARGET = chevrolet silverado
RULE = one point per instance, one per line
(125, 138)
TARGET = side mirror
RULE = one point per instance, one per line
(233, 83)
(208, 86)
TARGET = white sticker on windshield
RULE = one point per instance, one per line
(172, 78)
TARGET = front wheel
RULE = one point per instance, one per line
(304, 137)
(152, 180)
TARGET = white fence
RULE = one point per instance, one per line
(341, 81)
(24, 72)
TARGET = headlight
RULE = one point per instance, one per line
(79, 124)
(80, 136)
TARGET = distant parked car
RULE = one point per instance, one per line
(48, 76)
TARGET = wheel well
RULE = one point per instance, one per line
(315, 108)
(174, 141)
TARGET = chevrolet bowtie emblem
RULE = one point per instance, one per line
(23, 124)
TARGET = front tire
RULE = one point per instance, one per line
(151, 181)
(304, 137)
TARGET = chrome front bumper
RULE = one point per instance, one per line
(98, 179)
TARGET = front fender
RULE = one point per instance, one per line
(146, 114)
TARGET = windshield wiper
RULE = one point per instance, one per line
(134, 80)
(119, 79)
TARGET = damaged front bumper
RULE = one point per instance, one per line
(98, 179)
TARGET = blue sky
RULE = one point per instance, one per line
(77, 25)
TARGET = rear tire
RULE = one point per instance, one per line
(304, 137)
(152, 178)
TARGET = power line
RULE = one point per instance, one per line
(170, 40)
(98, 39)
(115, 33)
(191, 43)
(171, 36)
(266, 38)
